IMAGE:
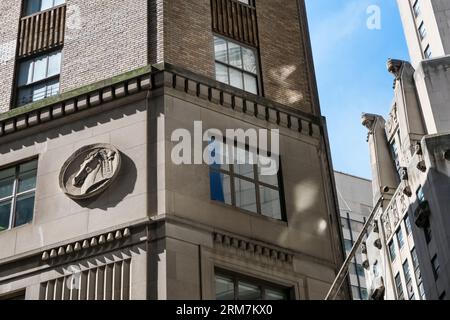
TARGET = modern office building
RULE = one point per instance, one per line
(408, 248)
(355, 206)
(97, 198)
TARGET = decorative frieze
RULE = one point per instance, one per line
(253, 248)
(84, 245)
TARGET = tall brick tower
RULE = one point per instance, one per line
(92, 203)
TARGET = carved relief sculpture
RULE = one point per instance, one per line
(89, 171)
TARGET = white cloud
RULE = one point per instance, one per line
(338, 26)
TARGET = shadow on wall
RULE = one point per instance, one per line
(69, 125)
(37, 138)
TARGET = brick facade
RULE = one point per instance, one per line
(10, 11)
(282, 52)
(104, 39)
(112, 40)
(188, 38)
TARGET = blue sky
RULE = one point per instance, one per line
(350, 61)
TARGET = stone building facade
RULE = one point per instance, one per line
(355, 206)
(92, 205)
(407, 250)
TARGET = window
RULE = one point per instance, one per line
(233, 287)
(416, 9)
(356, 293)
(415, 259)
(236, 65)
(34, 6)
(348, 244)
(406, 272)
(422, 31)
(436, 267)
(394, 150)
(360, 271)
(376, 269)
(20, 295)
(422, 291)
(428, 53)
(420, 195)
(245, 185)
(408, 226)
(392, 252)
(39, 78)
(428, 235)
(364, 294)
(400, 239)
(399, 287)
(17, 189)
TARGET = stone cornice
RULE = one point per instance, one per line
(253, 248)
(152, 78)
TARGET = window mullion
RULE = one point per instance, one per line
(14, 199)
(258, 195)
(232, 185)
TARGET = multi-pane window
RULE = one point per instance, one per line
(392, 251)
(422, 31)
(416, 8)
(408, 225)
(418, 275)
(406, 272)
(399, 287)
(360, 270)
(34, 6)
(245, 183)
(236, 65)
(395, 156)
(436, 266)
(428, 53)
(234, 287)
(39, 78)
(400, 239)
(17, 189)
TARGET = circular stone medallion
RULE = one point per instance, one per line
(89, 171)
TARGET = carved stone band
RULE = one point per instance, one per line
(89, 171)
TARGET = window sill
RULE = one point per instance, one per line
(283, 223)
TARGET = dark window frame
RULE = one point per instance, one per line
(17, 88)
(24, 8)
(16, 195)
(428, 55)
(255, 180)
(422, 31)
(257, 75)
(263, 285)
(392, 253)
(399, 287)
(436, 267)
(416, 9)
(401, 243)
